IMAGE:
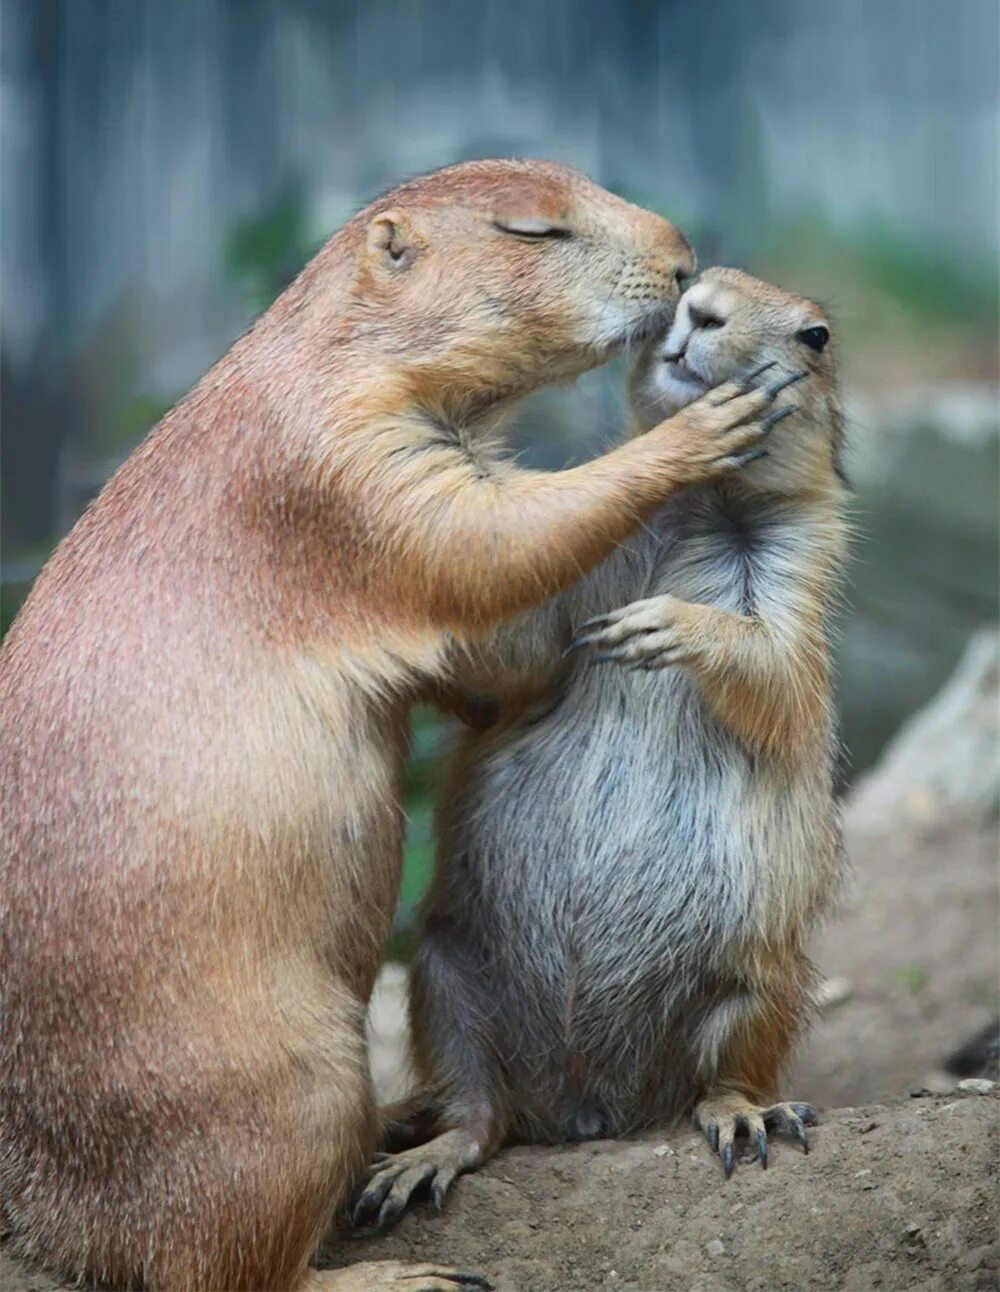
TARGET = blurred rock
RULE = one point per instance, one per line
(832, 992)
(923, 573)
(916, 930)
(977, 1086)
(947, 756)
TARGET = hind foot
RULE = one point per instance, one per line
(723, 1115)
(396, 1177)
(393, 1276)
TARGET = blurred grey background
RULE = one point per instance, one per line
(168, 165)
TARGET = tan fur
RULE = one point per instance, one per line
(563, 988)
(204, 703)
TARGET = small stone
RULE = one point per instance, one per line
(869, 1126)
(716, 1247)
(919, 1092)
(833, 992)
(976, 1086)
(866, 1170)
(663, 1150)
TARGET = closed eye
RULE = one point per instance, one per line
(532, 228)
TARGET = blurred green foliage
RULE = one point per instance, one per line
(427, 742)
(130, 421)
(11, 596)
(265, 251)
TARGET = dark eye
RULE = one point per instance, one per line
(814, 337)
(530, 227)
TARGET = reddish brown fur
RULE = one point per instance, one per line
(204, 702)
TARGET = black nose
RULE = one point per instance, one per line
(703, 318)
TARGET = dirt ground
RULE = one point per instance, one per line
(917, 946)
(898, 1197)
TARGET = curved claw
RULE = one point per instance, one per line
(793, 1120)
(762, 1148)
(745, 459)
(728, 1159)
(592, 625)
(776, 387)
(770, 420)
(713, 1137)
(372, 1198)
(746, 382)
(401, 1193)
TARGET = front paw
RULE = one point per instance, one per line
(650, 634)
(393, 1179)
(726, 428)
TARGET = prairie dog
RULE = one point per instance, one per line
(204, 703)
(628, 869)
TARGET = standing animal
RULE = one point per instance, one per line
(628, 868)
(204, 703)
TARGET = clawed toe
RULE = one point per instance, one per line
(777, 386)
(396, 1181)
(386, 1197)
(792, 1119)
(590, 627)
(723, 1128)
(750, 378)
(770, 420)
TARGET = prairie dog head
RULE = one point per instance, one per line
(726, 323)
(490, 279)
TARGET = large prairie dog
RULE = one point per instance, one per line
(629, 868)
(204, 703)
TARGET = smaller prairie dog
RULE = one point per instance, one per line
(628, 869)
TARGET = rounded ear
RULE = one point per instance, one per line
(391, 237)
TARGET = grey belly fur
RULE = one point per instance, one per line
(610, 850)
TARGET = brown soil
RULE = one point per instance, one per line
(916, 940)
(892, 1197)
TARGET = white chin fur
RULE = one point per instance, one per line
(678, 391)
(661, 395)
